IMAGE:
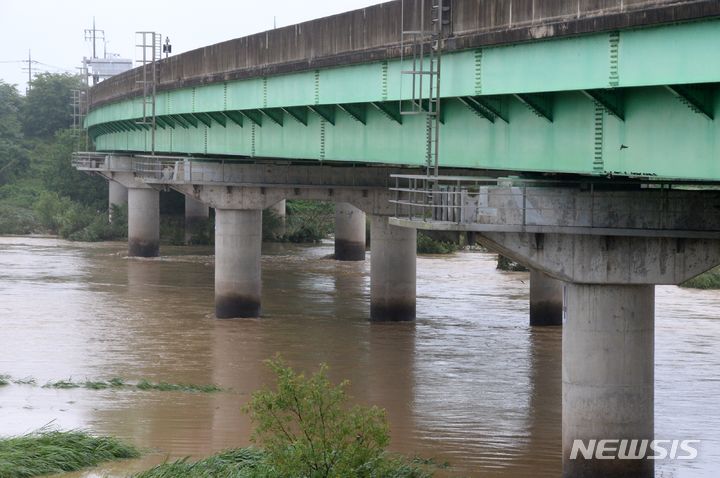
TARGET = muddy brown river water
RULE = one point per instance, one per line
(470, 382)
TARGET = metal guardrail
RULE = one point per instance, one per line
(515, 204)
(180, 170)
(91, 161)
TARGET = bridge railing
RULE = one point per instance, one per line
(531, 205)
(91, 161)
(180, 170)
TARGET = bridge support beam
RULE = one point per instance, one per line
(197, 215)
(143, 222)
(392, 271)
(117, 196)
(349, 233)
(238, 239)
(546, 299)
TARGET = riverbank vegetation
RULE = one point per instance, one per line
(708, 280)
(40, 192)
(303, 426)
(47, 452)
(426, 244)
(114, 383)
(508, 265)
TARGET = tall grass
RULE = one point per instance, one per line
(46, 452)
(241, 463)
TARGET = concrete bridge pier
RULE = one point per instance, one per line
(546, 299)
(197, 215)
(117, 196)
(238, 240)
(280, 211)
(608, 334)
(608, 374)
(392, 271)
(349, 233)
(143, 222)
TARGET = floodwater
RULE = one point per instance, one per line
(469, 382)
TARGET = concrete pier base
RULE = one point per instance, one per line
(392, 271)
(546, 299)
(238, 240)
(143, 222)
(349, 233)
(196, 217)
(608, 375)
(117, 196)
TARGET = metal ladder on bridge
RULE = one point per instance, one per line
(150, 45)
(425, 44)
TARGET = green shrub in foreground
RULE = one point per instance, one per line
(46, 452)
(307, 430)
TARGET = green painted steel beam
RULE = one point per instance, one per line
(491, 101)
(219, 118)
(274, 114)
(203, 118)
(165, 122)
(235, 116)
(610, 99)
(255, 116)
(540, 104)
(326, 112)
(299, 114)
(189, 119)
(357, 111)
(179, 119)
(390, 109)
(477, 108)
(699, 98)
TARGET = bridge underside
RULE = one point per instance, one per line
(631, 103)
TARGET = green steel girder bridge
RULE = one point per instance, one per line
(577, 137)
(593, 88)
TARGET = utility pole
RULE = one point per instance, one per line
(29, 84)
(92, 35)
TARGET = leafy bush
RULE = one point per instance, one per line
(306, 429)
(509, 265)
(708, 280)
(17, 220)
(428, 245)
(77, 222)
(309, 221)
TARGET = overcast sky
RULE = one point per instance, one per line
(54, 29)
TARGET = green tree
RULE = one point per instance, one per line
(307, 430)
(48, 107)
(13, 155)
(59, 176)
